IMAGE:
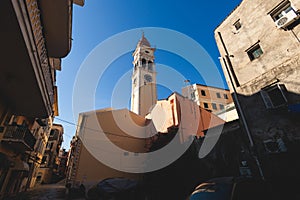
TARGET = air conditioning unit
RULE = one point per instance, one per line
(286, 19)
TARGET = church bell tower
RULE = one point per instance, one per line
(143, 92)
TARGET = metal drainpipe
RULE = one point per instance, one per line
(227, 56)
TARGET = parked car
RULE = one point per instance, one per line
(230, 188)
(116, 189)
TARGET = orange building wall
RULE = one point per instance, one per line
(177, 110)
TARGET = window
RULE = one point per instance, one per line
(254, 52)
(221, 107)
(49, 145)
(150, 66)
(44, 159)
(144, 63)
(205, 105)
(134, 81)
(52, 132)
(237, 25)
(193, 95)
(218, 95)
(203, 93)
(274, 96)
(225, 96)
(214, 106)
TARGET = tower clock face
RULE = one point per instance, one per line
(148, 77)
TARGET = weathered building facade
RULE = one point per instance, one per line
(260, 57)
(47, 172)
(62, 163)
(216, 100)
(36, 35)
(208, 97)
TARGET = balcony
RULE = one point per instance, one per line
(19, 138)
(31, 32)
(56, 16)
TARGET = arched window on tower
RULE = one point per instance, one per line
(135, 67)
(144, 63)
(150, 66)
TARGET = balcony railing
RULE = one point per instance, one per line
(20, 137)
(37, 29)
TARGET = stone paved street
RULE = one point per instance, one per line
(45, 192)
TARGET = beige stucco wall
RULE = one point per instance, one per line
(91, 170)
(165, 114)
(120, 139)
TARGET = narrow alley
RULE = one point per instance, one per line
(44, 192)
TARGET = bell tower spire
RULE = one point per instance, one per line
(143, 92)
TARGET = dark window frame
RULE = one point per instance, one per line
(205, 105)
(272, 98)
(221, 106)
(255, 51)
(237, 25)
(214, 106)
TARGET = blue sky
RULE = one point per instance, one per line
(99, 20)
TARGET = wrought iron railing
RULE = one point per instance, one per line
(19, 133)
